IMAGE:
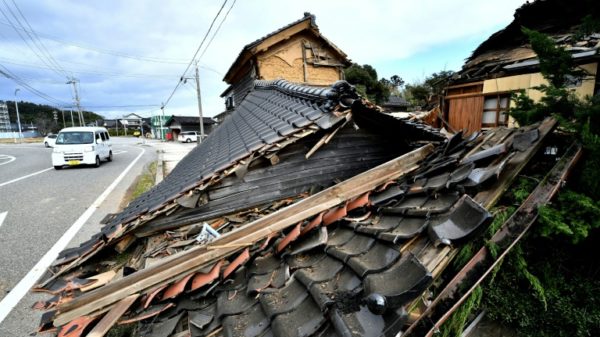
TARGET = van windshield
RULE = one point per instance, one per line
(75, 137)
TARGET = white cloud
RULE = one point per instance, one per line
(369, 32)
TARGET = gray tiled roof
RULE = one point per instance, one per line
(272, 111)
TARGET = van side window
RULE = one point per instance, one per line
(97, 137)
(107, 135)
(102, 134)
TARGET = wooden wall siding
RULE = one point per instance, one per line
(465, 113)
(467, 88)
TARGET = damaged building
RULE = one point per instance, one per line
(308, 212)
(479, 95)
(297, 52)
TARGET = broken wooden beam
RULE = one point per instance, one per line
(196, 258)
(112, 316)
(482, 263)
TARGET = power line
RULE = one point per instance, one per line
(103, 51)
(10, 75)
(27, 42)
(86, 72)
(36, 38)
(195, 54)
(36, 47)
(217, 30)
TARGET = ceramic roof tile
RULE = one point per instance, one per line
(286, 299)
(267, 106)
(358, 323)
(253, 322)
(463, 221)
(339, 236)
(304, 321)
(233, 302)
(401, 283)
(382, 223)
(275, 279)
(406, 229)
(359, 244)
(264, 264)
(324, 270)
(376, 259)
(327, 293)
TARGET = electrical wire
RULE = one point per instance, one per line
(217, 30)
(10, 75)
(36, 38)
(103, 51)
(195, 54)
(101, 73)
(31, 42)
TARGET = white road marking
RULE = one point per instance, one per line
(119, 152)
(24, 177)
(20, 290)
(2, 217)
(7, 158)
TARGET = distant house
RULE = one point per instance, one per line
(178, 124)
(395, 104)
(479, 95)
(297, 53)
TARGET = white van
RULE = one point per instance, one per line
(80, 146)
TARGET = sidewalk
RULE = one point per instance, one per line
(169, 154)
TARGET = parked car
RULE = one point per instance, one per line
(81, 145)
(188, 136)
(49, 140)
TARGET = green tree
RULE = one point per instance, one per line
(420, 93)
(367, 83)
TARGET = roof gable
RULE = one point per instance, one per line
(306, 24)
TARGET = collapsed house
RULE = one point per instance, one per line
(479, 95)
(308, 212)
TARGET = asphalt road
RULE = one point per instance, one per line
(38, 205)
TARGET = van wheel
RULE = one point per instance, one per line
(46, 144)
(58, 167)
(188, 140)
(109, 156)
(97, 164)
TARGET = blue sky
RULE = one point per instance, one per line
(129, 55)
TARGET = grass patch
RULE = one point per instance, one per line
(143, 183)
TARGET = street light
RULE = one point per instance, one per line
(18, 118)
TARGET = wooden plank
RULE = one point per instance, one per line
(470, 84)
(466, 95)
(199, 257)
(101, 279)
(112, 316)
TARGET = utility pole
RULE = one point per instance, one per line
(18, 118)
(161, 119)
(199, 104)
(63, 116)
(74, 81)
(72, 122)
